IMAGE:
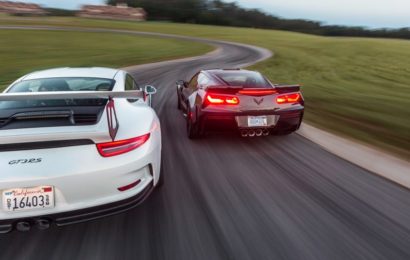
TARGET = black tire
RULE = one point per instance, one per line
(161, 180)
(192, 128)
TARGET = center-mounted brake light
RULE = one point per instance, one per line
(120, 147)
(214, 99)
(288, 98)
(257, 92)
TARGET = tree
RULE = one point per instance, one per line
(218, 12)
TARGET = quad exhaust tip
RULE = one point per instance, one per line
(244, 133)
(252, 133)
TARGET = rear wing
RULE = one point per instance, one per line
(54, 95)
(279, 89)
(112, 120)
(287, 88)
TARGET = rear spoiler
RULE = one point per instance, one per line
(54, 95)
(287, 88)
(280, 89)
(113, 124)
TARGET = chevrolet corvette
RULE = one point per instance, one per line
(226, 99)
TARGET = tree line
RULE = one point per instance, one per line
(217, 12)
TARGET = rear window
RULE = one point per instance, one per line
(248, 79)
(58, 84)
(63, 84)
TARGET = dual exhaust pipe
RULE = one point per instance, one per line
(254, 132)
(25, 225)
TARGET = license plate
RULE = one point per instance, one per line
(20, 199)
(257, 121)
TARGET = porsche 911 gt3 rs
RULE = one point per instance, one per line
(220, 99)
(75, 144)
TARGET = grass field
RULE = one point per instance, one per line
(22, 52)
(356, 87)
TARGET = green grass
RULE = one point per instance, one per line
(22, 52)
(356, 87)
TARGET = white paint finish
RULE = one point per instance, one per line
(81, 177)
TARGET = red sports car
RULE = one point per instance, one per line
(220, 99)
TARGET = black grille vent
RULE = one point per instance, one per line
(85, 119)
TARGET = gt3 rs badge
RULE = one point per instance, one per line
(24, 161)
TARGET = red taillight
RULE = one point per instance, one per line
(123, 146)
(232, 100)
(214, 99)
(288, 98)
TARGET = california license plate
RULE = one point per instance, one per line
(254, 121)
(19, 199)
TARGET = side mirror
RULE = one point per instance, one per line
(150, 90)
(182, 84)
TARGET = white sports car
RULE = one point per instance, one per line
(75, 144)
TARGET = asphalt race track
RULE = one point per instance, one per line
(226, 197)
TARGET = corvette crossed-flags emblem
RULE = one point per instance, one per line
(258, 102)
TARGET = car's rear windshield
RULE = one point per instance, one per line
(58, 84)
(63, 84)
(248, 79)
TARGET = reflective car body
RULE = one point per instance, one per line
(239, 99)
(98, 156)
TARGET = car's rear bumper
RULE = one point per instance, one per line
(277, 120)
(80, 177)
(77, 216)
